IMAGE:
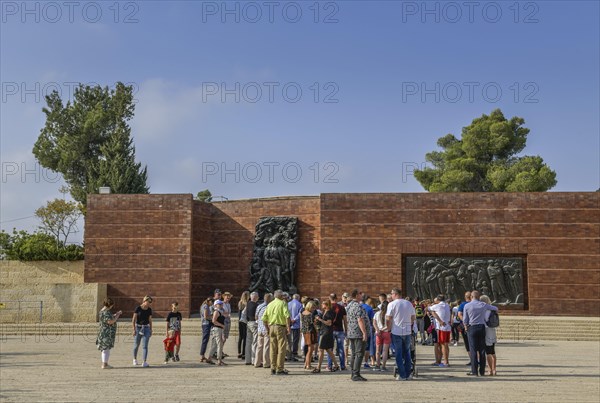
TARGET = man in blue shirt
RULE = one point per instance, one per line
(474, 321)
(295, 308)
(463, 331)
(370, 339)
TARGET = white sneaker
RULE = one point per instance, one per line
(135, 362)
(166, 362)
(145, 364)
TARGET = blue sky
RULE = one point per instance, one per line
(380, 82)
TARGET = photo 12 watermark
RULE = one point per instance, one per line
(454, 12)
(29, 331)
(409, 168)
(269, 172)
(54, 12)
(448, 246)
(272, 12)
(36, 92)
(470, 92)
(25, 172)
(270, 92)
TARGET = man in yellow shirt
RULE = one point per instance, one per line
(277, 322)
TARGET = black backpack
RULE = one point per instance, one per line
(494, 319)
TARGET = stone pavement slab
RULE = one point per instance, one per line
(63, 368)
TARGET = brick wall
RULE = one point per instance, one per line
(364, 238)
(139, 245)
(202, 248)
(176, 248)
(233, 225)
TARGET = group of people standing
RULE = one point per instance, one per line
(273, 331)
(356, 327)
(142, 331)
(440, 325)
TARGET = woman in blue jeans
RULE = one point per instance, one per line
(206, 316)
(142, 329)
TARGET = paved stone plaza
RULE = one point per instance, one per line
(67, 368)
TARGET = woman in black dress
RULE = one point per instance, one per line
(326, 342)
(309, 332)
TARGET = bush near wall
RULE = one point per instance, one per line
(24, 246)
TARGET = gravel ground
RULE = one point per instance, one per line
(67, 368)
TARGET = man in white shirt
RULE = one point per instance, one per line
(442, 313)
(400, 317)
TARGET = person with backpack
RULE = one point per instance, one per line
(420, 314)
(474, 321)
(492, 321)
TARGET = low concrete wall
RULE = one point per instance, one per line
(44, 272)
(47, 292)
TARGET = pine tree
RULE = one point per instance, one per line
(88, 141)
(485, 159)
(117, 168)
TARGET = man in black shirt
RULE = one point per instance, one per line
(252, 328)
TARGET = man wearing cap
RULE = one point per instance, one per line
(217, 295)
(277, 322)
(345, 299)
(216, 333)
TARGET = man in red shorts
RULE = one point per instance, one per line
(442, 313)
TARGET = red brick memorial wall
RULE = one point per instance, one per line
(138, 245)
(178, 249)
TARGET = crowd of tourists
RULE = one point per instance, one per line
(355, 332)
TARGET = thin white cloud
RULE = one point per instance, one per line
(163, 107)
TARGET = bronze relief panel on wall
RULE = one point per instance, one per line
(500, 278)
(273, 264)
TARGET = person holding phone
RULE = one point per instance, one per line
(107, 332)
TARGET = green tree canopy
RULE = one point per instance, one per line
(204, 196)
(89, 141)
(22, 245)
(117, 167)
(485, 160)
(59, 218)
